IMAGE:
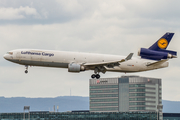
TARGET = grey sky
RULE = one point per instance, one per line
(97, 26)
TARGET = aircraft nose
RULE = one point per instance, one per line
(5, 56)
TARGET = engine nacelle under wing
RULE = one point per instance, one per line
(74, 67)
(156, 55)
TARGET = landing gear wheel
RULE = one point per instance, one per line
(98, 76)
(26, 71)
(93, 76)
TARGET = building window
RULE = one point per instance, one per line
(137, 94)
(104, 91)
(104, 95)
(137, 103)
(103, 86)
(104, 109)
(137, 108)
(136, 90)
(136, 99)
(137, 85)
(104, 100)
(104, 104)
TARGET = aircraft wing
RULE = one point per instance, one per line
(157, 63)
(110, 63)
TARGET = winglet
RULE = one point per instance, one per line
(129, 56)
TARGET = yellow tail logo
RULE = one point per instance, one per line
(162, 43)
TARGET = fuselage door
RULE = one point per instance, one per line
(18, 55)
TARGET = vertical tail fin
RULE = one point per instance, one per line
(163, 42)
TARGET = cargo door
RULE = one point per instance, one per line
(18, 56)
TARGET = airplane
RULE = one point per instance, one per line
(154, 57)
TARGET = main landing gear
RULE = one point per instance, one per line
(96, 75)
(26, 70)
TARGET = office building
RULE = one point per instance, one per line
(125, 94)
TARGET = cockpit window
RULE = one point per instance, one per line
(10, 53)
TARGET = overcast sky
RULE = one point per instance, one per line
(96, 26)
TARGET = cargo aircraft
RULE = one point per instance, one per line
(154, 57)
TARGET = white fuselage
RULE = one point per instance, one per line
(61, 59)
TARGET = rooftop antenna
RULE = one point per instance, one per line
(57, 108)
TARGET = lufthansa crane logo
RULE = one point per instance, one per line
(162, 43)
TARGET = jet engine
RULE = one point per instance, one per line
(156, 54)
(74, 67)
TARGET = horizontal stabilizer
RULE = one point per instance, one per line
(157, 63)
(158, 50)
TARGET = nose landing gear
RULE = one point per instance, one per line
(26, 70)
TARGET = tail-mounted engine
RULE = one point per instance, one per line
(74, 67)
(156, 55)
